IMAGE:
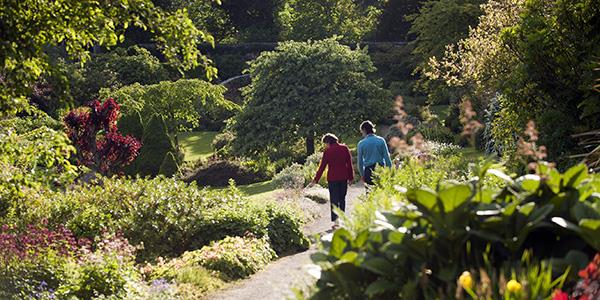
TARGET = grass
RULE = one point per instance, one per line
(260, 190)
(197, 144)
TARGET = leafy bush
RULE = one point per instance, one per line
(222, 142)
(448, 230)
(94, 132)
(41, 262)
(218, 173)
(190, 280)
(31, 159)
(157, 144)
(184, 104)
(433, 131)
(167, 216)
(237, 257)
(285, 230)
(115, 69)
(291, 177)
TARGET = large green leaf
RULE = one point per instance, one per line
(529, 182)
(575, 175)
(380, 286)
(339, 242)
(590, 230)
(378, 265)
(455, 196)
(422, 198)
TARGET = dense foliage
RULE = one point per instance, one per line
(462, 226)
(29, 27)
(303, 89)
(94, 132)
(33, 155)
(302, 20)
(167, 216)
(114, 69)
(184, 104)
(539, 55)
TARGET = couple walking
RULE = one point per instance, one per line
(372, 151)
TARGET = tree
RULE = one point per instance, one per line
(393, 25)
(94, 133)
(540, 56)
(437, 24)
(303, 89)
(303, 20)
(208, 16)
(29, 27)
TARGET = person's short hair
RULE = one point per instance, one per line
(329, 138)
(368, 127)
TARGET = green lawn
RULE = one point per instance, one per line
(259, 190)
(197, 144)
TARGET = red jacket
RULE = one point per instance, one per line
(339, 162)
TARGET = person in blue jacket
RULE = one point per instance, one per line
(372, 152)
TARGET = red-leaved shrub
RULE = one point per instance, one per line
(94, 132)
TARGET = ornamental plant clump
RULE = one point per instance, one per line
(588, 287)
(37, 238)
(95, 134)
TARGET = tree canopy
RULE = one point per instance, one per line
(307, 88)
(29, 27)
(302, 20)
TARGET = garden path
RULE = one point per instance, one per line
(276, 281)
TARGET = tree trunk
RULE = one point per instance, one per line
(310, 145)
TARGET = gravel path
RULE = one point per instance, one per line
(276, 281)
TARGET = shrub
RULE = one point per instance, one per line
(285, 230)
(291, 177)
(237, 257)
(157, 145)
(433, 131)
(191, 280)
(221, 144)
(169, 166)
(218, 173)
(457, 226)
(166, 216)
(45, 263)
(31, 159)
(184, 104)
(96, 136)
(114, 69)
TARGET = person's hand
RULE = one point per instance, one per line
(311, 184)
(350, 182)
(362, 178)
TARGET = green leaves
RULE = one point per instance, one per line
(438, 234)
(78, 25)
(304, 89)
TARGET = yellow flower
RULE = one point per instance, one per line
(513, 286)
(465, 280)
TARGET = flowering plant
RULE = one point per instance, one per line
(588, 287)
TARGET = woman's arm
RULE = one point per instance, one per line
(322, 166)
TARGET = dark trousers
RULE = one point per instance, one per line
(369, 174)
(337, 196)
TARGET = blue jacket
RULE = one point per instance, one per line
(372, 150)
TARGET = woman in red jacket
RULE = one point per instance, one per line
(340, 173)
